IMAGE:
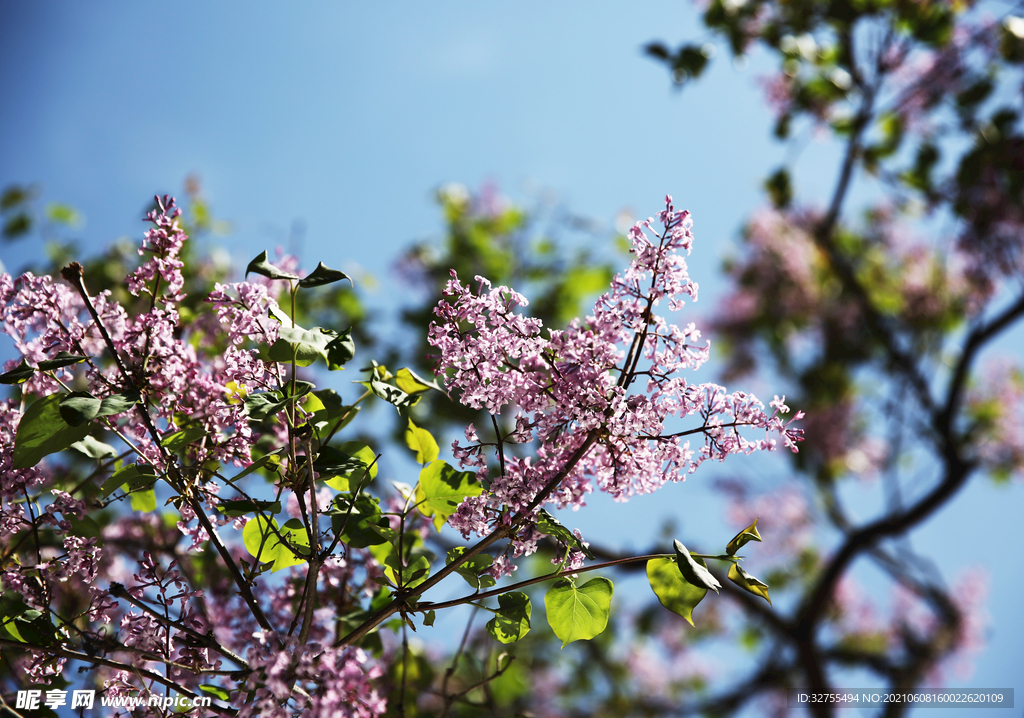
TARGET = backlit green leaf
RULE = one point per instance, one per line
(474, 570)
(215, 691)
(578, 612)
(422, 443)
(264, 540)
(143, 500)
(441, 489)
(411, 383)
(512, 621)
(743, 537)
(747, 582)
(672, 591)
(344, 467)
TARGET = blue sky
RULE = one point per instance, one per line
(347, 117)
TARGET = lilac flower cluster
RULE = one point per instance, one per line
(164, 242)
(339, 680)
(570, 389)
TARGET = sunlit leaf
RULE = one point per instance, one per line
(747, 582)
(422, 443)
(578, 612)
(474, 570)
(441, 489)
(743, 537)
(674, 593)
(512, 620)
(94, 449)
(262, 539)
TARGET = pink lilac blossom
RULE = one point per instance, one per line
(339, 680)
(571, 388)
(164, 243)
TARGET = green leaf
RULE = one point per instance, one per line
(366, 526)
(428, 618)
(578, 613)
(17, 225)
(79, 407)
(267, 403)
(743, 537)
(668, 585)
(133, 476)
(18, 375)
(693, 571)
(422, 443)
(94, 448)
(261, 265)
(339, 467)
(241, 507)
(392, 394)
(413, 574)
(550, 526)
(512, 620)
(747, 582)
(180, 439)
(323, 275)
(258, 532)
(441, 489)
(62, 359)
(215, 691)
(331, 415)
(63, 214)
(305, 345)
(340, 350)
(259, 463)
(43, 431)
(474, 570)
(408, 381)
(144, 500)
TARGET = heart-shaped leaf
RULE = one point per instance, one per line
(578, 612)
(512, 620)
(674, 593)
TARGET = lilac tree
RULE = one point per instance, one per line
(148, 456)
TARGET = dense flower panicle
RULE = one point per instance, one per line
(571, 387)
(164, 242)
